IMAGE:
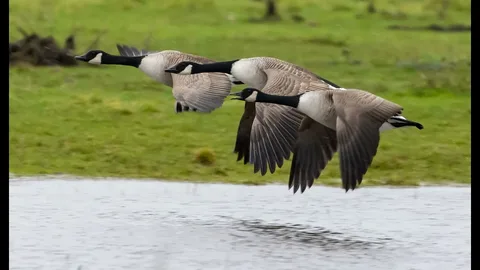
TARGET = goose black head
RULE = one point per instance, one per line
(247, 94)
(92, 57)
(183, 68)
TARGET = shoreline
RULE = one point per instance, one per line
(70, 177)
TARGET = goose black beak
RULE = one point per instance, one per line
(237, 95)
(81, 58)
(170, 70)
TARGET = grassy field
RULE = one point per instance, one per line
(115, 121)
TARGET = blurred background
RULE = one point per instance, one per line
(71, 118)
(116, 121)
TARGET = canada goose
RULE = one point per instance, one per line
(259, 121)
(200, 92)
(353, 116)
(279, 124)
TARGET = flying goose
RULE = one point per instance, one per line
(268, 132)
(279, 124)
(353, 117)
(200, 92)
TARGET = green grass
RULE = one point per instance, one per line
(115, 121)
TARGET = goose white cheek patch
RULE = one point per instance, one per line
(97, 60)
(252, 97)
(187, 70)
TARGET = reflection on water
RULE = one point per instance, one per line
(93, 224)
(301, 234)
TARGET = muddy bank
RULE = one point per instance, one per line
(38, 50)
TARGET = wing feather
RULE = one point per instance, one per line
(202, 92)
(278, 124)
(281, 135)
(314, 148)
(359, 117)
(126, 50)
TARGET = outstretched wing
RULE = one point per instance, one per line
(359, 117)
(242, 144)
(274, 131)
(275, 127)
(315, 146)
(201, 92)
(125, 50)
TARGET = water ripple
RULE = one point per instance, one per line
(120, 224)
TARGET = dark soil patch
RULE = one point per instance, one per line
(36, 50)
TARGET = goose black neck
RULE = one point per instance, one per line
(291, 101)
(224, 67)
(133, 61)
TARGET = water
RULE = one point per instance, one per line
(96, 224)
